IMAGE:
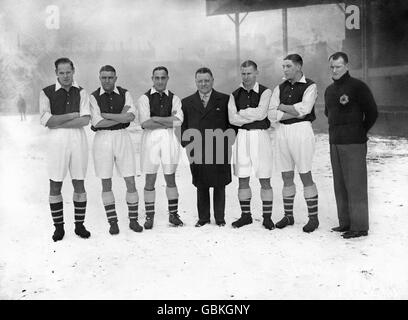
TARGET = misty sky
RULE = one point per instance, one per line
(169, 25)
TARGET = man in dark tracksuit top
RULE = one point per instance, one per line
(64, 109)
(351, 111)
(207, 110)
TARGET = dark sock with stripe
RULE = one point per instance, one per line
(172, 196)
(311, 197)
(56, 206)
(289, 199)
(109, 204)
(80, 207)
(149, 198)
(132, 201)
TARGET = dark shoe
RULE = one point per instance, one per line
(244, 220)
(354, 234)
(287, 220)
(58, 233)
(268, 223)
(149, 221)
(201, 223)
(81, 231)
(174, 219)
(312, 224)
(341, 229)
(114, 228)
(220, 223)
(135, 226)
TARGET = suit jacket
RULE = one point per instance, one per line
(206, 168)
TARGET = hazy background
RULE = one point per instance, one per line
(135, 36)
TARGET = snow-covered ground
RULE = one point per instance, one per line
(197, 263)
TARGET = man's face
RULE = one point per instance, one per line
(290, 69)
(204, 82)
(338, 68)
(65, 74)
(160, 79)
(108, 80)
(248, 75)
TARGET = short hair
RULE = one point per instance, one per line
(295, 58)
(160, 68)
(249, 63)
(63, 60)
(204, 70)
(338, 55)
(107, 68)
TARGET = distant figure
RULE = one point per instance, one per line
(351, 111)
(22, 107)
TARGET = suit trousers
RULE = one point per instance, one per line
(203, 203)
(350, 184)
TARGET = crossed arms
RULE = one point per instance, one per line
(68, 120)
(153, 123)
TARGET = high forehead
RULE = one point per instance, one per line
(288, 62)
(337, 62)
(160, 73)
(203, 76)
(107, 74)
(249, 69)
(64, 67)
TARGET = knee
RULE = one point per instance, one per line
(307, 179)
(243, 183)
(170, 180)
(79, 186)
(130, 184)
(150, 181)
(55, 187)
(288, 178)
(265, 183)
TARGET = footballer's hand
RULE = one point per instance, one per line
(125, 109)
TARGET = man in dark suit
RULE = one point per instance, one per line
(208, 136)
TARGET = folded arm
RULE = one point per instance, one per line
(75, 123)
(261, 111)
(233, 116)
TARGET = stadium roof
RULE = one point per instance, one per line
(217, 7)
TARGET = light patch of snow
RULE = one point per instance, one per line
(197, 263)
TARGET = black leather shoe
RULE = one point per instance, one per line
(312, 224)
(341, 229)
(243, 221)
(268, 223)
(174, 219)
(201, 223)
(81, 231)
(114, 228)
(287, 220)
(220, 223)
(58, 233)
(354, 234)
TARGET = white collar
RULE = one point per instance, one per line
(102, 91)
(255, 88)
(205, 95)
(58, 85)
(153, 90)
(301, 80)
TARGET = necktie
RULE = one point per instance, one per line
(204, 100)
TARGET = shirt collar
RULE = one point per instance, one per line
(102, 91)
(301, 80)
(58, 85)
(255, 88)
(206, 95)
(153, 90)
